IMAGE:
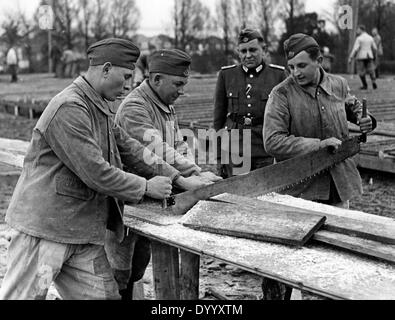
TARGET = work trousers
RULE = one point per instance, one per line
(79, 272)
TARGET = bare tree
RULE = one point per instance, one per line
(244, 8)
(266, 12)
(100, 23)
(291, 9)
(225, 22)
(191, 20)
(85, 20)
(124, 17)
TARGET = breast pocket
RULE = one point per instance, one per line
(233, 101)
(69, 185)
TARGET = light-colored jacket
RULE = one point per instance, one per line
(364, 47)
(12, 57)
(147, 119)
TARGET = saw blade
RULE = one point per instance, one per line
(280, 176)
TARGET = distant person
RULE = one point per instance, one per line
(327, 59)
(364, 51)
(56, 55)
(380, 51)
(12, 63)
(68, 61)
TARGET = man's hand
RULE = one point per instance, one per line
(366, 125)
(191, 183)
(332, 143)
(210, 177)
(159, 188)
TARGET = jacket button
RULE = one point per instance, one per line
(251, 76)
(230, 94)
(248, 97)
(249, 105)
(323, 108)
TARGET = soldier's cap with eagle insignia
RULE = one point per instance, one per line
(298, 43)
(172, 62)
(247, 35)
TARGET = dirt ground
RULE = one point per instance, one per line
(379, 198)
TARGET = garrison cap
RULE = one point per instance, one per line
(298, 43)
(247, 35)
(173, 62)
(120, 52)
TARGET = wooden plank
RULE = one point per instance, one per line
(273, 223)
(367, 247)
(315, 268)
(375, 163)
(189, 275)
(376, 231)
(165, 267)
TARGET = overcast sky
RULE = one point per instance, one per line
(155, 14)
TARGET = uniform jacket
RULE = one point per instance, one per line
(364, 47)
(297, 119)
(72, 184)
(146, 118)
(245, 93)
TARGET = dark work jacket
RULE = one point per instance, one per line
(72, 185)
(231, 99)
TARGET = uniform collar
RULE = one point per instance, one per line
(256, 70)
(146, 88)
(92, 95)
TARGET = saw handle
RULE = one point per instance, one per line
(364, 138)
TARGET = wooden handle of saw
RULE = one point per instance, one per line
(364, 115)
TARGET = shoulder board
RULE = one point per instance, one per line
(229, 67)
(277, 66)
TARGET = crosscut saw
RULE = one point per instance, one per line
(275, 178)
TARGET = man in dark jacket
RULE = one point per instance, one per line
(72, 187)
(240, 100)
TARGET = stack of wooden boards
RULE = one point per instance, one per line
(367, 234)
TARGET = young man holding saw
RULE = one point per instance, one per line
(309, 111)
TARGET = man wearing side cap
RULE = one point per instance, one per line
(148, 115)
(72, 187)
(240, 100)
(309, 111)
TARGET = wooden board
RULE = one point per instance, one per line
(367, 247)
(372, 230)
(321, 270)
(12, 152)
(274, 223)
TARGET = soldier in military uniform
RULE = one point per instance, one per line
(240, 99)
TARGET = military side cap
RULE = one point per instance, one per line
(298, 43)
(120, 52)
(173, 62)
(247, 35)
